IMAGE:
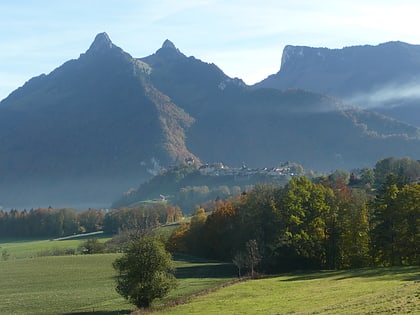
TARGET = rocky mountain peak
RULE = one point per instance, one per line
(169, 50)
(168, 44)
(102, 42)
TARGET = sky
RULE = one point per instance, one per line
(243, 38)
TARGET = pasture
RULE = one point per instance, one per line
(84, 284)
(28, 248)
(60, 285)
(363, 291)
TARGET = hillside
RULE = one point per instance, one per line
(382, 77)
(363, 291)
(187, 186)
(92, 127)
(105, 122)
(262, 127)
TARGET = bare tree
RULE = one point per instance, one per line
(253, 254)
(240, 260)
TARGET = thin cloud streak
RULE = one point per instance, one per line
(388, 95)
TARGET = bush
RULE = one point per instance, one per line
(92, 246)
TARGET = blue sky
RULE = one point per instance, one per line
(244, 38)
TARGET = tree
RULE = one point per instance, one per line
(407, 238)
(403, 168)
(92, 246)
(386, 220)
(195, 234)
(145, 271)
(259, 218)
(220, 231)
(309, 222)
(240, 261)
(91, 220)
(253, 254)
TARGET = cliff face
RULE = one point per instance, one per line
(383, 77)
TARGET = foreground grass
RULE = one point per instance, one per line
(363, 291)
(60, 285)
(84, 284)
(195, 276)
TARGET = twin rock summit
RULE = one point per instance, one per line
(100, 124)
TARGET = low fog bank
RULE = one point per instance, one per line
(397, 100)
(77, 194)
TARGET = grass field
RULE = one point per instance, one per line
(84, 284)
(363, 291)
(27, 248)
(60, 285)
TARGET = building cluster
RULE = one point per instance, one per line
(219, 169)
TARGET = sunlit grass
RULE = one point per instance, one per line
(27, 248)
(365, 291)
(58, 285)
(85, 283)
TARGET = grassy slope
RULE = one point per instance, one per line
(364, 291)
(197, 276)
(83, 283)
(25, 248)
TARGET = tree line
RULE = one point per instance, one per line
(51, 222)
(340, 220)
(336, 221)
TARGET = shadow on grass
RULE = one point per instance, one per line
(311, 275)
(206, 271)
(402, 273)
(193, 259)
(120, 312)
(203, 268)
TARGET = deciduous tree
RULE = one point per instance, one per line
(145, 271)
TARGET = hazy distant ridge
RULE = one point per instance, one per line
(385, 77)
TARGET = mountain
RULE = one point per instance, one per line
(383, 77)
(91, 127)
(107, 121)
(235, 123)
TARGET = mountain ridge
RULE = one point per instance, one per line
(379, 77)
(100, 124)
(85, 120)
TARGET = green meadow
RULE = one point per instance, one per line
(59, 285)
(27, 248)
(364, 291)
(84, 284)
